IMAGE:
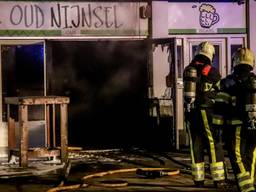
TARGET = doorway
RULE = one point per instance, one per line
(106, 82)
(22, 74)
(224, 49)
(224, 46)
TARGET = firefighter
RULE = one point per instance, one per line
(235, 114)
(201, 84)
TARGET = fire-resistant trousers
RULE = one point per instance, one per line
(241, 147)
(202, 137)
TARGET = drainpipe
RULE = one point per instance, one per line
(148, 11)
(248, 27)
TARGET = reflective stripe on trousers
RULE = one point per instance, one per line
(217, 171)
(209, 136)
(198, 171)
(197, 168)
(217, 120)
(217, 168)
(245, 182)
(253, 164)
(237, 150)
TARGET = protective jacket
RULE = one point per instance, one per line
(231, 117)
(199, 119)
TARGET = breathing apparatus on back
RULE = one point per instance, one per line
(250, 103)
(204, 55)
(244, 58)
(190, 78)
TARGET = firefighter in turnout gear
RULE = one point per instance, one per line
(235, 116)
(201, 84)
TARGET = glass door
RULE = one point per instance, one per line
(234, 44)
(186, 48)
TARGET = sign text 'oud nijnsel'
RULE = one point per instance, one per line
(80, 16)
(71, 18)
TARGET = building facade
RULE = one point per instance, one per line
(120, 62)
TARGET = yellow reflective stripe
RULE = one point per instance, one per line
(237, 150)
(223, 98)
(191, 146)
(198, 165)
(217, 171)
(219, 164)
(209, 136)
(242, 174)
(234, 122)
(253, 164)
(218, 84)
(245, 182)
(207, 86)
(218, 120)
(198, 171)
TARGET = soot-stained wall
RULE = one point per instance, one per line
(107, 85)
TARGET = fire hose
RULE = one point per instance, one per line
(145, 172)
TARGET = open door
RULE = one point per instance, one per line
(162, 108)
(185, 50)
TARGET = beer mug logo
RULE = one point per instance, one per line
(208, 16)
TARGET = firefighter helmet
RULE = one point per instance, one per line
(243, 56)
(207, 49)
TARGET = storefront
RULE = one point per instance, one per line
(120, 62)
(93, 52)
(223, 23)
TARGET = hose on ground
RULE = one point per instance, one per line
(168, 172)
